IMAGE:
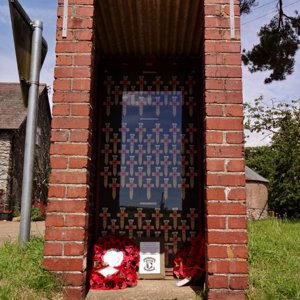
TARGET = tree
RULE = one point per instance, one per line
(260, 159)
(246, 5)
(279, 42)
(282, 122)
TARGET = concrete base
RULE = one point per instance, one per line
(149, 290)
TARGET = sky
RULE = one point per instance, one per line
(37, 10)
(253, 84)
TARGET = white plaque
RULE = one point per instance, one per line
(149, 258)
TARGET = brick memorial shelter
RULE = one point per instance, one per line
(147, 135)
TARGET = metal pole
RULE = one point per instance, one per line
(35, 67)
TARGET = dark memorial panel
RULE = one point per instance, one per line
(149, 160)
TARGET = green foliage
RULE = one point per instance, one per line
(22, 275)
(279, 42)
(276, 50)
(260, 159)
(286, 195)
(16, 212)
(274, 247)
(280, 162)
(36, 214)
(246, 5)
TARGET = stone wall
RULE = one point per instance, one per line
(17, 167)
(41, 160)
(42, 146)
(5, 166)
(257, 214)
(257, 198)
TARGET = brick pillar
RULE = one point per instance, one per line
(226, 231)
(67, 216)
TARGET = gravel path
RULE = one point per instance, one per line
(9, 231)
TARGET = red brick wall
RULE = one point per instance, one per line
(67, 219)
(69, 193)
(226, 233)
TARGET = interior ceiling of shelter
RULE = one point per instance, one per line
(141, 28)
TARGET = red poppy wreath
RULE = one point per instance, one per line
(189, 261)
(116, 259)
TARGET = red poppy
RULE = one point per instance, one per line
(190, 261)
(126, 275)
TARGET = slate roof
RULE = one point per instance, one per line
(253, 176)
(12, 110)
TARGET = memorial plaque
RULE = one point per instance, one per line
(152, 264)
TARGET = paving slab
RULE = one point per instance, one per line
(148, 290)
(9, 231)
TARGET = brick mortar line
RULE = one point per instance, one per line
(230, 216)
(73, 287)
(71, 272)
(222, 186)
(69, 199)
(226, 230)
(68, 171)
(72, 67)
(222, 67)
(71, 78)
(66, 228)
(66, 215)
(67, 156)
(223, 158)
(216, 259)
(71, 143)
(218, 16)
(218, 52)
(223, 40)
(75, 54)
(71, 117)
(225, 104)
(226, 245)
(70, 184)
(76, 5)
(223, 90)
(64, 242)
(76, 29)
(223, 172)
(222, 117)
(224, 202)
(225, 132)
(232, 188)
(70, 155)
(66, 256)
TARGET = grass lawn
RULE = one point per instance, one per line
(22, 275)
(274, 255)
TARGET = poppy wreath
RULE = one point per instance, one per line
(190, 261)
(126, 275)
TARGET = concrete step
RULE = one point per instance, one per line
(149, 290)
